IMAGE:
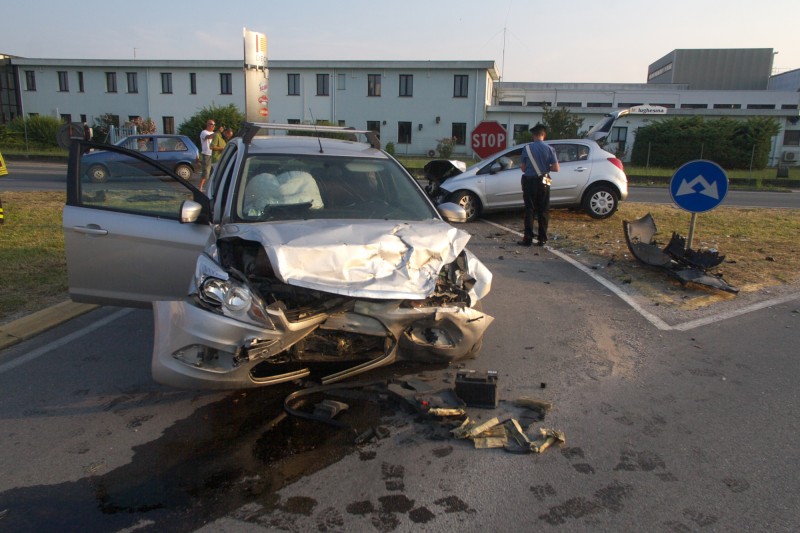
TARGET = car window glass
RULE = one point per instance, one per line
(285, 187)
(170, 144)
(568, 152)
(508, 161)
(121, 182)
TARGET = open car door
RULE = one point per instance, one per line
(124, 239)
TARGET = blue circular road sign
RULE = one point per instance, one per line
(699, 186)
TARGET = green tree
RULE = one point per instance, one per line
(228, 116)
(143, 125)
(561, 123)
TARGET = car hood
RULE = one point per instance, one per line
(372, 259)
(439, 170)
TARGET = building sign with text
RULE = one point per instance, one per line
(256, 76)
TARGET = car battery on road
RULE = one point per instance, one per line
(477, 389)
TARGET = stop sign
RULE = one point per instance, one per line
(488, 138)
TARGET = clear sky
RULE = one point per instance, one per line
(532, 41)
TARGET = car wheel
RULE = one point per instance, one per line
(600, 201)
(470, 203)
(184, 171)
(97, 174)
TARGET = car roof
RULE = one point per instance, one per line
(312, 146)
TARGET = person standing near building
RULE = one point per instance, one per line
(538, 160)
(205, 151)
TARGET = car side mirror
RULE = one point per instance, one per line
(495, 168)
(452, 212)
(191, 212)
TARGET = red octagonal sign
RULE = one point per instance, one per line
(488, 138)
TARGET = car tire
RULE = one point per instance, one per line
(600, 201)
(184, 171)
(469, 201)
(97, 174)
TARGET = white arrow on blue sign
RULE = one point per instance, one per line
(699, 186)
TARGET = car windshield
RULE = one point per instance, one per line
(298, 187)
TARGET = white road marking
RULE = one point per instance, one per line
(30, 356)
(653, 319)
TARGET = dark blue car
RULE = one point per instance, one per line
(176, 152)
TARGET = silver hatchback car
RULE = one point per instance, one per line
(590, 178)
(305, 253)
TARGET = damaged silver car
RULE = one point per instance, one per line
(309, 249)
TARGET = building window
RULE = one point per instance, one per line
(168, 125)
(133, 82)
(293, 84)
(166, 83)
(539, 104)
(727, 106)
(80, 82)
(460, 86)
(111, 82)
(791, 138)
(598, 104)
(404, 132)
(789, 106)
(511, 102)
(341, 123)
(406, 85)
(618, 134)
(374, 85)
(225, 83)
(668, 106)
(66, 118)
(113, 120)
(192, 83)
(374, 125)
(694, 106)
(568, 104)
(460, 133)
(30, 80)
(323, 85)
(519, 129)
(63, 81)
(658, 72)
(340, 82)
(627, 105)
(760, 106)
(83, 118)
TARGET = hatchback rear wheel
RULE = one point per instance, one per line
(184, 171)
(600, 201)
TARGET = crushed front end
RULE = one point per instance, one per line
(259, 314)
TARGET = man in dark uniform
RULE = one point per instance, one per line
(538, 160)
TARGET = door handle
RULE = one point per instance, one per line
(89, 230)
(580, 169)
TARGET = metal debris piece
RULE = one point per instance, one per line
(329, 408)
(445, 412)
(548, 438)
(684, 264)
(535, 404)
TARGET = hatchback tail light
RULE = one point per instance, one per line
(617, 163)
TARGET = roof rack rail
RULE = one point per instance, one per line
(251, 129)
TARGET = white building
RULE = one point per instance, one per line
(412, 104)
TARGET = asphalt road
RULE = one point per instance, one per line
(688, 427)
(37, 176)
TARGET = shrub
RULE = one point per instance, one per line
(228, 116)
(445, 147)
(40, 130)
(390, 148)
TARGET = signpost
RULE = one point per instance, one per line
(488, 138)
(698, 186)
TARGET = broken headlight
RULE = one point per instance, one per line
(234, 298)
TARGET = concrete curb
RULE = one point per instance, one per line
(35, 323)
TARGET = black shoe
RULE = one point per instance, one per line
(541, 242)
(525, 242)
